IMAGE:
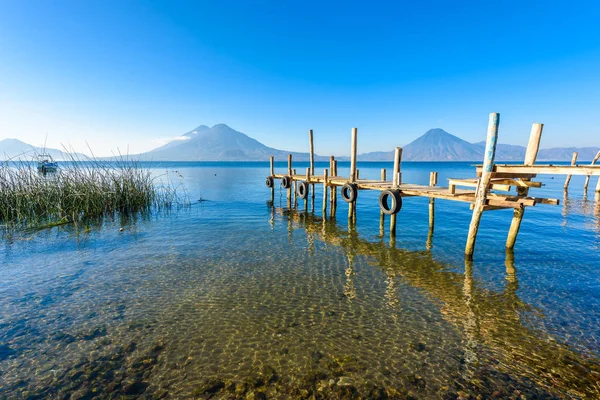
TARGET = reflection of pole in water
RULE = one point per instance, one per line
(470, 322)
(511, 275)
(565, 209)
(349, 289)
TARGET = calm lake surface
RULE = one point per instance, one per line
(238, 297)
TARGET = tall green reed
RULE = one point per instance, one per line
(80, 188)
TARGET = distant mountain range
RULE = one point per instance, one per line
(14, 149)
(222, 143)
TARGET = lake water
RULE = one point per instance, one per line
(238, 297)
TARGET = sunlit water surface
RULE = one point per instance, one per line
(238, 297)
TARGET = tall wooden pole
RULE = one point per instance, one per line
(334, 191)
(353, 155)
(573, 162)
(484, 182)
(312, 152)
(587, 178)
(396, 181)
(530, 156)
(272, 165)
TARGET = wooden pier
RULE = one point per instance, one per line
(486, 191)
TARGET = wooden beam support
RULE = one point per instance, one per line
(272, 166)
(573, 163)
(481, 193)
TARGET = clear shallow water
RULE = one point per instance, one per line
(237, 297)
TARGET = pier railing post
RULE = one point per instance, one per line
(530, 156)
(272, 165)
(573, 163)
(484, 182)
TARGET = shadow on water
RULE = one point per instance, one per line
(495, 338)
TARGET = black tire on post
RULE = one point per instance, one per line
(396, 201)
(349, 192)
(302, 190)
(286, 182)
(269, 182)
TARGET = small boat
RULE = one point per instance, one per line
(46, 164)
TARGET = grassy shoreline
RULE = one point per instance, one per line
(80, 189)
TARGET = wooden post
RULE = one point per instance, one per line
(353, 155)
(381, 214)
(332, 187)
(357, 173)
(484, 182)
(272, 173)
(307, 180)
(325, 193)
(573, 163)
(397, 177)
(587, 178)
(295, 187)
(396, 180)
(312, 152)
(530, 156)
(334, 191)
(432, 182)
(289, 192)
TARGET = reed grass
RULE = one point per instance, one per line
(80, 189)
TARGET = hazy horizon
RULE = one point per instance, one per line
(131, 76)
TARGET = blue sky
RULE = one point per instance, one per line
(130, 74)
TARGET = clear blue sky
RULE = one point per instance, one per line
(119, 73)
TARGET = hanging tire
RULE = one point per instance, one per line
(349, 192)
(286, 182)
(396, 201)
(302, 190)
(269, 182)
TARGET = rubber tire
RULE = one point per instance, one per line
(302, 189)
(349, 192)
(269, 182)
(396, 201)
(286, 182)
